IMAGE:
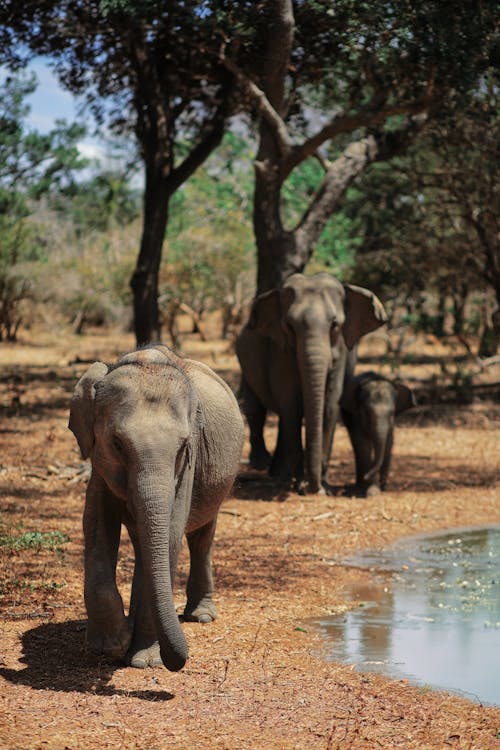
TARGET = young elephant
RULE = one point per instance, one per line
(369, 406)
(164, 436)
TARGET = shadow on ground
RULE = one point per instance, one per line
(409, 474)
(56, 659)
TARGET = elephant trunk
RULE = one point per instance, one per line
(160, 541)
(313, 366)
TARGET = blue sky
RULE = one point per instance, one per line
(51, 102)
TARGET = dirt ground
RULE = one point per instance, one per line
(257, 677)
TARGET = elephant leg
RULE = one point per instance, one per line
(329, 425)
(363, 457)
(362, 450)
(333, 392)
(255, 413)
(108, 631)
(386, 464)
(200, 606)
(144, 650)
(288, 459)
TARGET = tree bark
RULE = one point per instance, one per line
(144, 280)
(276, 248)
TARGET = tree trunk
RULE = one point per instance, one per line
(280, 252)
(156, 133)
(278, 256)
(144, 281)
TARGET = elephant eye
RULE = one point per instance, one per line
(334, 333)
(289, 332)
(118, 445)
(181, 455)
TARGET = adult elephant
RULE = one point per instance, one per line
(164, 435)
(294, 353)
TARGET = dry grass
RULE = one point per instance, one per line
(253, 679)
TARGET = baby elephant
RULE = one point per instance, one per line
(369, 405)
(164, 435)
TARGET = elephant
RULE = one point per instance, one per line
(294, 353)
(164, 435)
(369, 406)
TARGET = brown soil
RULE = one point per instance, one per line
(256, 678)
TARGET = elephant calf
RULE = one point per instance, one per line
(164, 435)
(369, 406)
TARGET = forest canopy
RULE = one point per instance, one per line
(360, 138)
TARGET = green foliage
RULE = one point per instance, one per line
(336, 248)
(352, 49)
(338, 245)
(31, 165)
(35, 540)
(100, 203)
(209, 258)
(23, 585)
(429, 222)
(70, 247)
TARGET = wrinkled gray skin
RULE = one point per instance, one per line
(369, 405)
(294, 354)
(164, 436)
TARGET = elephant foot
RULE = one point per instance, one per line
(260, 459)
(141, 658)
(112, 643)
(373, 490)
(205, 611)
(310, 488)
(282, 472)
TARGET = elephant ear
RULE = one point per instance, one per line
(348, 398)
(364, 312)
(266, 315)
(405, 398)
(81, 415)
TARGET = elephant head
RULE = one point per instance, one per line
(139, 422)
(316, 317)
(364, 390)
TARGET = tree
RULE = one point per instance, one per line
(429, 224)
(348, 84)
(209, 259)
(464, 176)
(98, 204)
(31, 165)
(152, 69)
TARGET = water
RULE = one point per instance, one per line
(431, 615)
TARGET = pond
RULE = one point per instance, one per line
(431, 615)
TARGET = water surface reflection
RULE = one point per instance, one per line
(432, 613)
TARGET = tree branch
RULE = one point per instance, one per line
(206, 145)
(338, 177)
(261, 103)
(340, 174)
(344, 123)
